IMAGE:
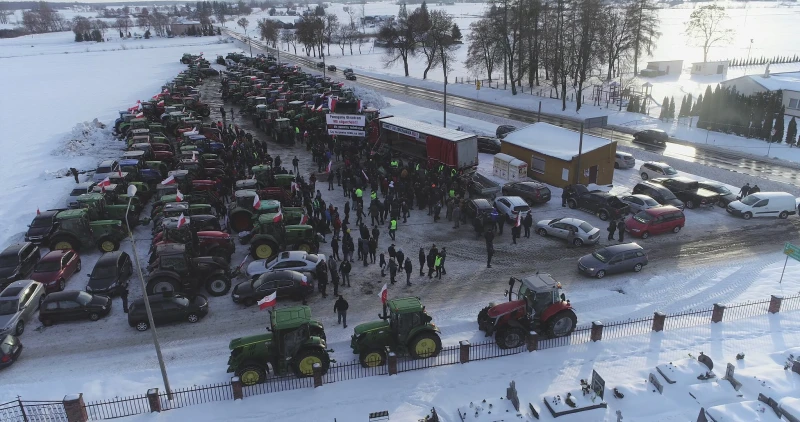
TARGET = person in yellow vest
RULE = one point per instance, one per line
(359, 193)
(441, 168)
(392, 228)
(438, 265)
(394, 163)
(453, 172)
(452, 193)
(373, 195)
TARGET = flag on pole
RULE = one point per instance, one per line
(179, 196)
(268, 301)
(294, 186)
(365, 175)
(384, 295)
(119, 172)
(105, 182)
(279, 216)
(358, 106)
(181, 220)
(169, 180)
(328, 169)
(304, 220)
(194, 156)
(139, 114)
(519, 220)
(160, 103)
(37, 211)
(256, 202)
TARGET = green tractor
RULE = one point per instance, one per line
(99, 208)
(295, 343)
(74, 230)
(241, 211)
(282, 131)
(271, 234)
(405, 329)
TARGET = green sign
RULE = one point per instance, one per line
(792, 251)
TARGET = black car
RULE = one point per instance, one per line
(531, 192)
(503, 130)
(10, 349)
(725, 195)
(488, 145)
(41, 227)
(320, 65)
(653, 137)
(71, 305)
(477, 207)
(17, 262)
(332, 68)
(167, 307)
(288, 284)
(661, 194)
(110, 274)
(350, 76)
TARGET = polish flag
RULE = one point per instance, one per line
(256, 202)
(181, 221)
(332, 102)
(519, 220)
(105, 182)
(160, 103)
(168, 181)
(294, 186)
(358, 106)
(119, 172)
(279, 216)
(140, 114)
(37, 211)
(304, 220)
(268, 301)
(330, 164)
(194, 156)
(384, 294)
(179, 196)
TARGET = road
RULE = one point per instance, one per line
(676, 148)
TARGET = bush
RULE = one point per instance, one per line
(147, 34)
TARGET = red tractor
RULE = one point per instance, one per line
(539, 306)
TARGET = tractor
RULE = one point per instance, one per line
(241, 211)
(405, 329)
(282, 132)
(295, 343)
(539, 306)
(75, 231)
(271, 235)
(174, 270)
(205, 243)
(98, 208)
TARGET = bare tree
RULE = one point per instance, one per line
(342, 35)
(288, 36)
(243, 22)
(399, 38)
(442, 33)
(143, 22)
(617, 35)
(268, 30)
(159, 22)
(589, 54)
(101, 26)
(509, 31)
(331, 28)
(707, 26)
(124, 24)
(483, 50)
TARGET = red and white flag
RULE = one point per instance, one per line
(304, 220)
(179, 196)
(140, 114)
(332, 102)
(104, 183)
(384, 294)
(328, 169)
(119, 172)
(181, 220)
(268, 301)
(279, 216)
(169, 180)
(256, 202)
(519, 220)
(37, 211)
(358, 106)
(294, 186)
(160, 103)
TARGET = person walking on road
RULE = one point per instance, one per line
(515, 234)
(335, 247)
(74, 173)
(612, 227)
(443, 254)
(489, 254)
(334, 276)
(437, 263)
(457, 216)
(393, 228)
(564, 196)
(296, 165)
(744, 191)
(345, 268)
(322, 278)
(421, 261)
(407, 266)
(621, 229)
(340, 309)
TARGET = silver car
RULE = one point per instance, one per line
(18, 304)
(639, 202)
(510, 206)
(585, 233)
(78, 190)
(613, 259)
(623, 160)
(299, 261)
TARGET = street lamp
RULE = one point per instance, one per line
(131, 193)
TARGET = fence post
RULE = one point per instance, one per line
(597, 331)
(658, 321)
(236, 385)
(74, 408)
(153, 400)
(532, 341)
(463, 348)
(719, 311)
(775, 304)
(317, 370)
(392, 363)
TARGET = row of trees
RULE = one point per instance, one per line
(43, 18)
(760, 115)
(765, 60)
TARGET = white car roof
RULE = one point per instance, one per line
(284, 256)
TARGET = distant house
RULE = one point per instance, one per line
(710, 68)
(787, 82)
(180, 26)
(662, 67)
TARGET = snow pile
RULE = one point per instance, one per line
(370, 98)
(87, 138)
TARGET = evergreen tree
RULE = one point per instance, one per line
(631, 104)
(697, 105)
(664, 109)
(682, 110)
(78, 37)
(147, 34)
(779, 125)
(791, 132)
(455, 32)
(705, 109)
(671, 112)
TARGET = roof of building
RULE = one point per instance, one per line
(713, 62)
(554, 141)
(786, 81)
(417, 126)
(664, 61)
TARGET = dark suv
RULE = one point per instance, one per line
(653, 137)
(17, 262)
(41, 227)
(477, 207)
(488, 145)
(658, 192)
(167, 307)
(110, 274)
(689, 191)
(531, 192)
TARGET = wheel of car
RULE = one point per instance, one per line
(577, 242)
(747, 216)
(645, 176)
(94, 316)
(616, 165)
(542, 232)
(572, 204)
(249, 301)
(193, 318)
(676, 229)
(600, 274)
(142, 325)
(690, 204)
(603, 215)
(645, 235)
(63, 243)
(637, 268)
(78, 266)
(783, 214)
(20, 328)
(61, 284)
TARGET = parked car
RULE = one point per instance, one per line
(110, 274)
(597, 202)
(639, 202)
(689, 191)
(488, 145)
(10, 349)
(613, 259)
(55, 268)
(332, 68)
(503, 130)
(347, 70)
(624, 160)
(299, 261)
(350, 76)
(652, 137)
(78, 190)
(476, 207)
(72, 305)
(764, 204)
(167, 307)
(320, 65)
(531, 192)
(511, 206)
(18, 304)
(41, 228)
(17, 262)
(655, 221)
(652, 169)
(725, 194)
(288, 284)
(585, 233)
(104, 170)
(661, 194)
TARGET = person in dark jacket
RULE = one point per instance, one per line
(334, 276)
(123, 294)
(744, 191)
(443, 254)
(621, 229)
(401, 257)
(344, 269)
(612, 227)
(431, 263)
(392, 270)
(421, 261)
(382, 263)
(407, 266)
(373, 248)
(322, 278)
(477, 224)
(489, 254)
(527, 222)
(515, 234)
(564, 196)
(335, 248)
(74, 173)
(340, 309)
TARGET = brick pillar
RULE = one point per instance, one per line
(463, 348)
(597, 331)
(658, 321)
(532, 341)
(392, 363)
(153, 400)
(74, 408)
(718, 313)
(775, 304)
(236, 385)
(317, 369)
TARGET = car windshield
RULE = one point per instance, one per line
(312, 258)
(47, 267)
(77, 192)
(668, 195)
(602, 255)
(181, 301)
(103, 170)
(748, 200)
(669, 171)
(104, 272)
(523, 208)
(8, 261)
(650, 201)
(718, 189)
(643, 217)
(555, 220)
(41, 222)
(84, 298)
(8, 307)
(586, 227)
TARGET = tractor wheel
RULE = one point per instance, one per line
(509, 337)
(425, 345)
(205, 112)
(372, 358)
(561, 324)
(161, 285)
(303, 362)
(305, 247)
(263, 249)
(107, 244)
(251, 374)
(218, 285)
(483, 317)
(63, 243)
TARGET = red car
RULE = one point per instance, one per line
(55, 268)
(655, 221)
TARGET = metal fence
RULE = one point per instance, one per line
(352, 370)
(448, 356)
(688, 319)
(32, 411)
(791, 303)
(182, 397)
(488, 349)
(276, 384)
(746, 310)
(117, 407)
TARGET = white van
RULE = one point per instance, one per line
(764, 204)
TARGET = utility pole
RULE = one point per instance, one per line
(444, 100)
(577, 178)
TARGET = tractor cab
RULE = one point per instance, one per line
(130, 166)
(93, 203)
(164, 190)
(138, 155)
(261, 173)
(539, 291)
(247, 184)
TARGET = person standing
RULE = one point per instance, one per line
(222, 112)
(421, 261)
(373, 248)
(443, 254)
(407, 266)
(393, 228)
(527, 222)
(340, 309)
(612, 227)
(345, 268)
(564, 196)
(489, 253)
(744, 191)
(322, 278)
(432, 254)
(123, 294)
(330, 180)
(376, 233)
(457, 215)
(296, 165)
(335, 247)
(755, 189)
(621, 229)
(437, 264)
(400, 256)
(382, 263)
(571, 237)
(74, 173)
(515, 231)
(392, 270)
(334, 277)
